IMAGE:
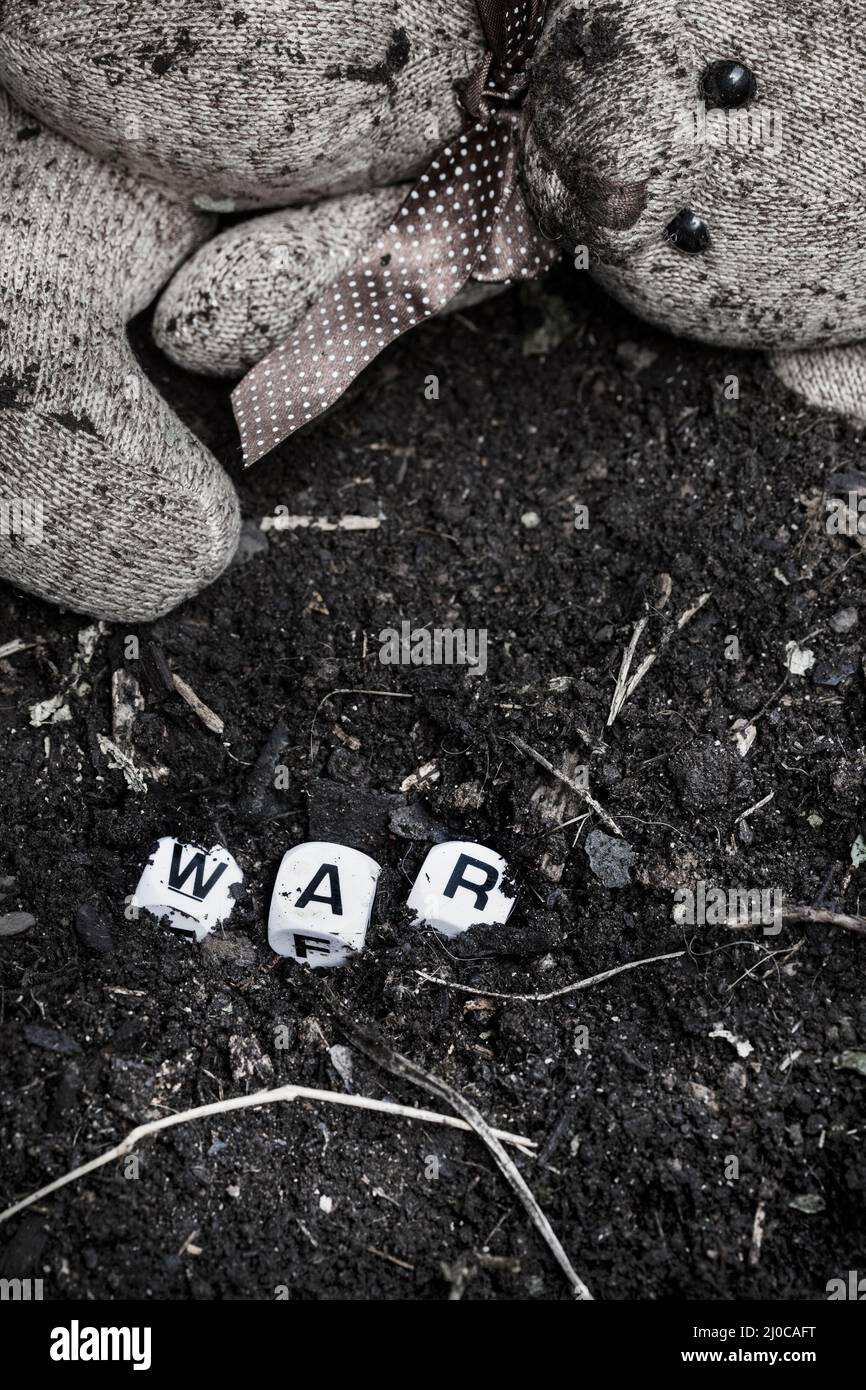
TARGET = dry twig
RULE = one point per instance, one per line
(554, 993)
(205, 713)
(223, 1107)
(625, 685)
(14, 647)
(561, 777)
(401, 1066)
(817, 916)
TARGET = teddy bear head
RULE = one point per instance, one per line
(706, 158)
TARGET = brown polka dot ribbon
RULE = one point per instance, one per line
(464, 219)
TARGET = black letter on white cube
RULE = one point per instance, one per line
(194, 888)
(322, 903)
(460, 886)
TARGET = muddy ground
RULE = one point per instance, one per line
(671, 1105)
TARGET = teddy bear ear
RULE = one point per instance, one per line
(829, 378)
(607, 154)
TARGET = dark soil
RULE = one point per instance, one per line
(108, 1021)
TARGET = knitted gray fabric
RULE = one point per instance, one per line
(834, 378)
(135, 514)
(259, 103)
(287, 103)
(616, 87)
(266, 103)
(246, 290)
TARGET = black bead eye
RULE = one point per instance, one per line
(728, 84)
(688, 232)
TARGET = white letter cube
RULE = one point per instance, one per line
(322, 903)
(460, 886)
(189, 885)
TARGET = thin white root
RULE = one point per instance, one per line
(569, 782)
(320, 523)
(404, 1067)
(222, 1107)
(626, 685)
(351, 690)
(554, 993)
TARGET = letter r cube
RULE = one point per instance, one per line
(461, 885)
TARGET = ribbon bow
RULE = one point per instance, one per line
(465, 218)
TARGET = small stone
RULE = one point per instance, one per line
(247, 1061)
(233, 949)
(835, 672)
(468, 796)
(635, 355)
(610, 859)
(708, 776)
(810, 1204)
(412, 821)
(844, 620)
(50, 1040)
(530, 520)
(91, 930)
(13, 923)
(253, 541)
(851, 1061)
(798, 659)
(342, 1061)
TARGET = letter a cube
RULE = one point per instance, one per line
(322, 903)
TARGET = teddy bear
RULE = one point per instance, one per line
(703, 157)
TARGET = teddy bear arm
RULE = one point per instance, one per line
(830, 378)
(245, 291)
(108, 505)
